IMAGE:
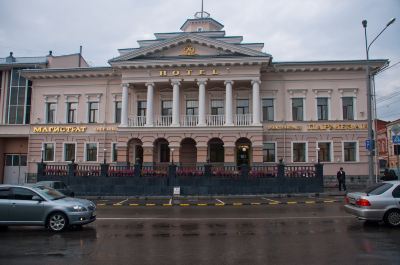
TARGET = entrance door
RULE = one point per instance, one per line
(243, 155)
(15, 168)
(139, 154)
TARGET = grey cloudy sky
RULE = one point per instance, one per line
(292, 30)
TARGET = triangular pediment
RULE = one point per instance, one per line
(188, 45)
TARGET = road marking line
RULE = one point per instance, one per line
(133, 204)
(101, 204)
(273, 203)
(291, 202)
(150, 204)
(120, 203)
(229, 218)
(328, 201)
(309, 202)
(170, 201)
(269, 199)
(220, 202)
(202, 204)
(184, 204)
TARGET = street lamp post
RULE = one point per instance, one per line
(172, 154)
(369, 99)
(317, 149)
(104, 155)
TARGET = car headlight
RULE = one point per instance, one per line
(77, 208)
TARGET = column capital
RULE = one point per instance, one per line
(175, 82)
(254, 81)
(201, 82)
(229, 82)
(149, 84)
(125, 84)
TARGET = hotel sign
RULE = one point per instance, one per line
(337, 127)
(60, 129)
(189, 72)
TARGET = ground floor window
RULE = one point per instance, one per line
(69, 151)
(269, 153)
(164, 152)
(48, 151)
(299, 152)
(13, 160)
(91, 152)
(114, 153)
(350, 151)
(324, 152)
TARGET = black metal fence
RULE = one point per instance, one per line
(205, 179)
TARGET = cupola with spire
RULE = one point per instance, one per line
(202, 21)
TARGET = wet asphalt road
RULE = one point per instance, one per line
(258, 234)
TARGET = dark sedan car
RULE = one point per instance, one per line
(57, 185)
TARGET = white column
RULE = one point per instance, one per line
(256, 102)
(228, 103)
(149, 107)
(202, 102)
(125, 100)
(175, 103)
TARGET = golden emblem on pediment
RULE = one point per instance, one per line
(189, 50)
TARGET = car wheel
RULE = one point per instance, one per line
(392, 218)
(57, 222)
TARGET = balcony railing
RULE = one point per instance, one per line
(192, 120)
(243, 119)
(189, 120)
(215, 120)
(137, 121)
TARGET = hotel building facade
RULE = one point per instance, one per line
(196, 96)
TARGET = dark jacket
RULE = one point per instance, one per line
(341, 176)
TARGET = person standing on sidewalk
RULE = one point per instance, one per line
(341, 176)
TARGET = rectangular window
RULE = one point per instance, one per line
(350, 151)
(324, 152)
(91, 152)
(217, 107)
(50, 112)
(297, 109)
(269, 154)
(72, 112)
(18, 102)
(348, 108)
(141, 108)
(166, 108)
(322, 109)
(114, 153)
(93, 112)
(299, 152)
(118, 109)
(268, 109)
(242, 106)
(192, 107)
(48, 151)
(69, 152)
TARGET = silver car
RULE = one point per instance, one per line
(41, 205)
(380, 202)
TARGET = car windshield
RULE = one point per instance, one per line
(49, 193)
(378, 188)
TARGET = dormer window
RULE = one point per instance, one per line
(199, 29)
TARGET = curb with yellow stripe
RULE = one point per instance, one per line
(217, 204)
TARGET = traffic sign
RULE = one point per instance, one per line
(369, 144)
(396, 139)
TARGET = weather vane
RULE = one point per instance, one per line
(202, 14)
